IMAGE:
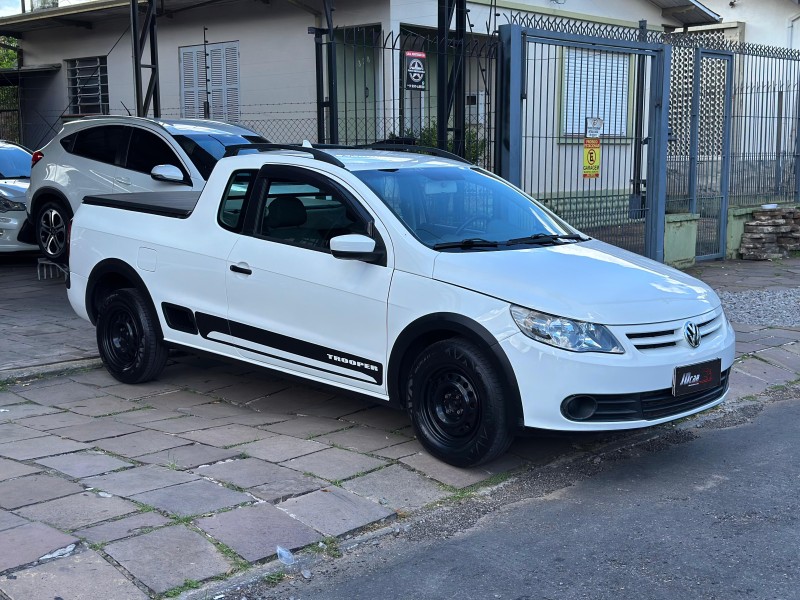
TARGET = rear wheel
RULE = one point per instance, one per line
(51, 230)
(128, 338)
(456, 402)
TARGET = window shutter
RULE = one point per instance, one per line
(223, 81)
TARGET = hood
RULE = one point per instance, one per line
(589, 281)
(14, 189)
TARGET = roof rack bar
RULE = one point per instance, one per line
(399, 145)
(320, 155)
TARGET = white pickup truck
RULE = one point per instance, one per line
(418, 280)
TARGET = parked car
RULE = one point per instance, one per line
(15, 174)
(104, 155)
(423, 282)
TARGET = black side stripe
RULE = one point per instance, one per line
(209, 323)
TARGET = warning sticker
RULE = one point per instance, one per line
(591, 158)
(415, 70)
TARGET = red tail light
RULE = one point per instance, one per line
(36, 157)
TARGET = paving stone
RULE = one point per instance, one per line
(245, 473)
(138, 480)
(227, 435)
(397, 488)
(457, 477)
(167, 557)
(254, 532)
(254, 419)
(84, 464)
(78, 510)
(16, 412)
(176, 400)
(380, 417)
(55, 421)
(122, 528)
(140, 443)
(193, 498)
(188, 457)
(279, 448)
(400, 450)
(97, 377)
(306, 427)
(337, 407)
(334, 511)
(287, 484)
(780, 357)
(201, 381)
(38, 447)
(11, 432)
(28, 543)
(362, 439)
(145, 416)
(68, 577)
(140, 390)
(15, 493)
(291, 400)
(213, 410)
(9, 520)
(749, 376)
(11, 468)
(66, 392)
(182, 424)
(97, 429)
(245, 392)
(100, 406)
(334, 464)
(7, 398)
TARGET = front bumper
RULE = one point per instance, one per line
(11, 223)
(640, 380)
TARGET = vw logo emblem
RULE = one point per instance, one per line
(692, 334)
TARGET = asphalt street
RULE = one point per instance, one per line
(708, 513)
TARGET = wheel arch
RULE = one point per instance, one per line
(439, 326)
(114, 274)
(44, 194)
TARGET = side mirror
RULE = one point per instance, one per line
(168, 173)
(355, 246)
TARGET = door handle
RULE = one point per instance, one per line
(242, 270)
(123, 180)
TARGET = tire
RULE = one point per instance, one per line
(456, 401)
(51, 230)
(128, 338)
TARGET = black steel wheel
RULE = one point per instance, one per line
(455, 399)
(51, 230)
(128, 337)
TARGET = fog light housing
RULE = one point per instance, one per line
(579, 408)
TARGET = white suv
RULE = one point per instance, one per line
(106, 155)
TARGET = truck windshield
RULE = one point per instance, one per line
(462, 208)
(206, 149)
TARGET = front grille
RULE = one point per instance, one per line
(669, 337)
(649, 406)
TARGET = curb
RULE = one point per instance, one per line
(59, 368)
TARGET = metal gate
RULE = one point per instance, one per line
(582, 126)
(710, 153)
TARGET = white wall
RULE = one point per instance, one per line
(766, 21)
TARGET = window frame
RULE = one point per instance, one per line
(74, 84)
(126, 152)
(246, 209)
(117, 159)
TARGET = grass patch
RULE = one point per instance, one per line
(188, 584)
(182, 520)
(328, 546)
(274, 579)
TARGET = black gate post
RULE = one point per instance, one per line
(508, 114)
(333, 93)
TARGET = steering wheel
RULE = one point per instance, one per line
(468, 222)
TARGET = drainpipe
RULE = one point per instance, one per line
(790, 30)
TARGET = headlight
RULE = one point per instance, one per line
(575, 336)
(6, 204)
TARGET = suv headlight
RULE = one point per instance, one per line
(6, 205)
(576, 336)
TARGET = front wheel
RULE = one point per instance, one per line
(456, 402)
(128, 338)
(51, 230)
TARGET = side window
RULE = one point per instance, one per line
(305, 213)
(148, 150)
(237, 192)
(100, 143)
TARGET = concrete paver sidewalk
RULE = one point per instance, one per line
(208, 469)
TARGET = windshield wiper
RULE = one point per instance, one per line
(466, 244)
(546, 238)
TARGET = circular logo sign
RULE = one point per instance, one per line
(416, 70)
(692, 334)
